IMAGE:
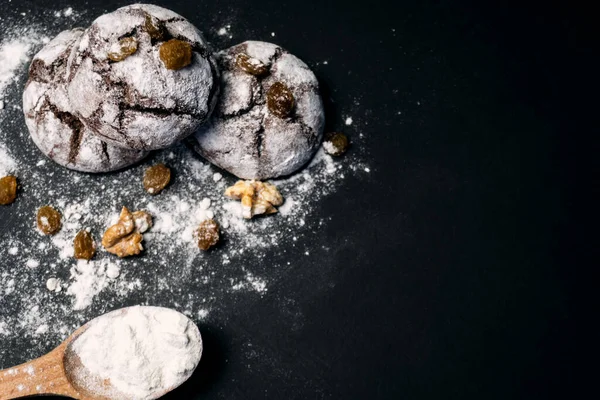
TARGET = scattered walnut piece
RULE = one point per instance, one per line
(142, 221)
(175, 54)
(335, 143)
(123, 49)
(257, 197)
(129, 245)
(251, 65)
(8, 190)
(207, 234)
(156, 178)
(84, 246)
(123, 239)
(48, 220)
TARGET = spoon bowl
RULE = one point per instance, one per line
(63, 372)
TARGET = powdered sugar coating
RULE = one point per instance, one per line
(242, 136)
(138, 103)
(53, 128)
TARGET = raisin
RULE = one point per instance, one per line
(175, 54)
(156, 178)
(336, 143)
(84, 246)
(48, 220)
(251, 65)
(280, 100)
(207, 234)
(155, 29)
(126, 47)
(8, 190)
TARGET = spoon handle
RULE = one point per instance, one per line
(44, 375)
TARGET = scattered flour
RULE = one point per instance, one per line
(7, 164)
(14, 53)
(44, 302)
(225, 31)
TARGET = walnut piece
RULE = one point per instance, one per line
(142, 221)
(257, 197)
(124, 238)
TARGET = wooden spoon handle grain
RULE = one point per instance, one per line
(44, 375)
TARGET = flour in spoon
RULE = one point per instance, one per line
(142, 351)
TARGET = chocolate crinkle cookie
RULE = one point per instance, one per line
(269, 118)
(142, 77)
(53, 126)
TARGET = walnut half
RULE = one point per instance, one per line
(257, 197)
(124, 238)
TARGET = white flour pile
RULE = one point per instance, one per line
(142, 351)
(45, 294)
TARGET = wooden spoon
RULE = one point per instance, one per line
(53, 374)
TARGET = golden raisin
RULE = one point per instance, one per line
(48, 220)
(126, 47)
(251, 65)
(336, 143)
(280, 100)
(175, 54)
(8, 190)
(84, 246)
(156, 178)
(155, 29)
(207, 234)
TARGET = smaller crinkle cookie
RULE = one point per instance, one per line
(56, 131)
(142, 77)
(269, 119)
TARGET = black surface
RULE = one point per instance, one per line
(452, 274)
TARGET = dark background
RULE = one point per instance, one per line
(455, 263)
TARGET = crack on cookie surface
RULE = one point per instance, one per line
(74, 124)
(105, 152)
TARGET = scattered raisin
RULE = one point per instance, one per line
(156, 178)
(126, 47)
(280, 100)
(251, 65)
(207, 234)
(8, 190)
(336, 143)
(48, 220)
(175, 54)
(155, 29)
(84, 246)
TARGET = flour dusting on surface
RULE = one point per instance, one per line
(48, 294)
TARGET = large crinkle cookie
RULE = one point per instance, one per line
(142, 77)
(54, 128)
(269, 119)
